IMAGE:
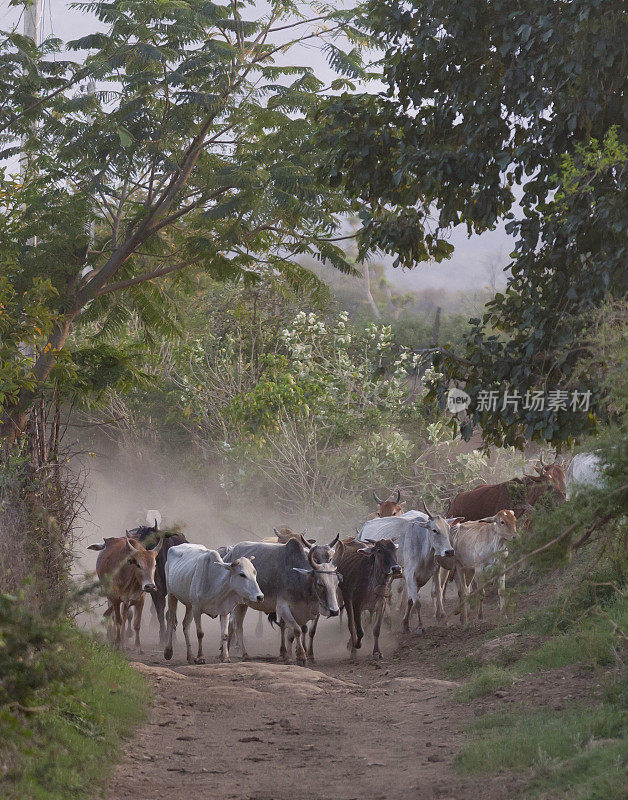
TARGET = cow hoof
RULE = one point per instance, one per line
(246, 657)
(224, 660)
(378, 656)
(311, 660)
(199, 661)
(405, 629)
(168, 653)
(419, 631)
(191, 660)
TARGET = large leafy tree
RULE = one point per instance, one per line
(191, 152)
(489, 102)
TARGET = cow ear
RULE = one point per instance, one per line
(96, 547)
(487, 519)
(338, 552)
(367, 550)
(303, 571)
(455, 520)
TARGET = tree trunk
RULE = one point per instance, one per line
(13, 418)
(369, 296)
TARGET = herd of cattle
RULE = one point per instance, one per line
(295, 581)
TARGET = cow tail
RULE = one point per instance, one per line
(272, 618)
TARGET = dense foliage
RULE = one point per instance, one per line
(190, 152)
(483, 101)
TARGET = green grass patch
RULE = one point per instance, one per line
(484, 681)
(63, 750)
(581, 752)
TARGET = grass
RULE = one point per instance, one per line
(486, 680)
(580, 752)
(63, 750)
(590, 642)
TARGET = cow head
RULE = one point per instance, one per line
(391, 507)
(384, 556)
(143, 562)
(243, 579)
(504, 523)
(438, 531)
(553, 474)
(325, 578)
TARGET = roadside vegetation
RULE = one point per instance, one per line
(67, 701)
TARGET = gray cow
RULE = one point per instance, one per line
(297, 588)
(424, 547)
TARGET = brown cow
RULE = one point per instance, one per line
(518, 494)
(367, 571)
(127, 570)
(388, 508)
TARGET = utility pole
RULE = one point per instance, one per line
(31, 31)
(31, 21)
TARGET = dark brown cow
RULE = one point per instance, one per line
(388, 508)
(367, 571)
(518, 494)
(149, 536)
(127, 570)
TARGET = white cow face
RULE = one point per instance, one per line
(438, 531)
(243, 580)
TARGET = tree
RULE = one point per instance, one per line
(483, 96)
(193, 154)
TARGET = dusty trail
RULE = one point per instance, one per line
(262, 730)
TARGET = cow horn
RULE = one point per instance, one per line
(377, 500)
(276, 532)
(398, 496)
(310, 558)
(334, 541)
(305, 542)
(427, 511)
(541, 461)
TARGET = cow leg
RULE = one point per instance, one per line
(463, 592)
(171, 616)
(379, 615)
(283, 651)
(501, 593)
(200, 658)
(413, 602)
(259, 628)
(159, 604)
(406, 618)
(353, 636)
(118, 622)
(438, 580)
(238, 629)
(312, 634)
(137, 621)
(187, 621)
(128, 608)
(294, 632)
(224, 637)
(357, 615)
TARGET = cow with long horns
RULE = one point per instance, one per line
(392, 507)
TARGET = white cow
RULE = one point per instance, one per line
(424, 546)
(479, 546)
(586, 469)
(200, 579)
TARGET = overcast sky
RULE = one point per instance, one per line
(474, 258)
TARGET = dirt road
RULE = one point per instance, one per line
(261, 730)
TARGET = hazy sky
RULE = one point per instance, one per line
(470, 266)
